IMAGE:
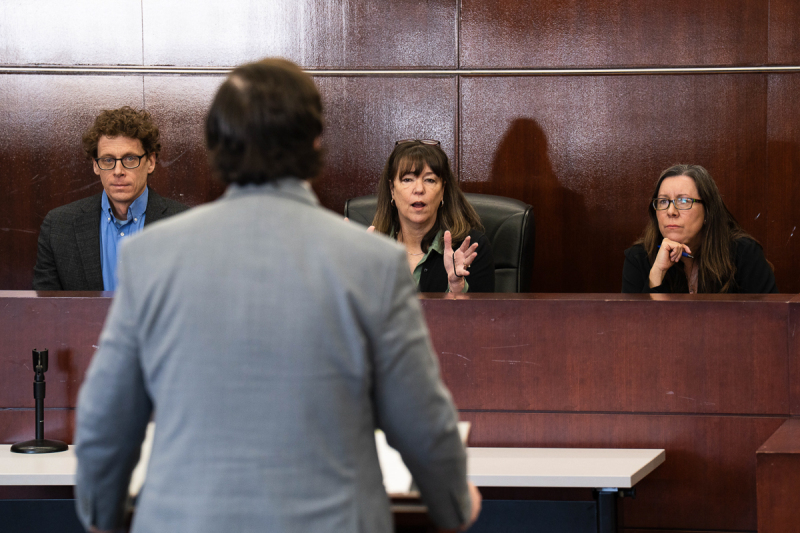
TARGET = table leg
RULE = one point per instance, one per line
(607, 510)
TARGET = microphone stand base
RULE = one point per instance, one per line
(39, 446)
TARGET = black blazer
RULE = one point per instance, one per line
(753, 274)
(69, 243)
(481, 272)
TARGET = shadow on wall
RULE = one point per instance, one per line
(522, 169)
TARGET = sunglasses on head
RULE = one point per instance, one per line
(430, 142)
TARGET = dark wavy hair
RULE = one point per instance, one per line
(263, 124)
(456, 215)
(716, 267)
(126, 122)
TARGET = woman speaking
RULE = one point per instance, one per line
(422, 208)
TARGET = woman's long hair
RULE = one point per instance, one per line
(716, 267)
(456, 215)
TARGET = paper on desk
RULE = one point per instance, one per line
(396, 477)
(137, 478)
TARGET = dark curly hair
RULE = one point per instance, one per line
(126, 122)
(263, 124)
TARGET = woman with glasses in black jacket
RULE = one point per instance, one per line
(693, 244)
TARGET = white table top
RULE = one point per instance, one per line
(486, 467)
(560, 467)
(37, 468)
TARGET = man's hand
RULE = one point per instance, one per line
(475, 496)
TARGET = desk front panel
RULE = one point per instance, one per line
(564, 370)
(676, 356)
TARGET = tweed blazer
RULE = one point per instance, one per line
(69, 243)
(270, 339)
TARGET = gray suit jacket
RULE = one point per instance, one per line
(270, 338)
(69, 243)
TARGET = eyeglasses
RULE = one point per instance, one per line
(128, 161)
(429, 142)
(681, 204)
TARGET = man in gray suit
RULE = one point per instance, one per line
(78, 242)
(268, 339)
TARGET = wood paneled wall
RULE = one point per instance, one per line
(583, 149)
(777, 472)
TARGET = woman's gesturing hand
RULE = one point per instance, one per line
(669, 253)
(457, 262)
(370, 229)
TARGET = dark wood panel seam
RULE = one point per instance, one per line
(141, 13)
(642, 413)
(137, 70)
(458, 35)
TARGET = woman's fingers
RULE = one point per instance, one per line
(457, 262)
(370, 229)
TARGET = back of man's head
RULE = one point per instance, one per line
(263, 124)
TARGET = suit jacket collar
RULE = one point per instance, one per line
(156, 207)
(290, 188)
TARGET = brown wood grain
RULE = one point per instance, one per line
(179, 106)
(68, 327)
(74, 33)
(628, 355)
(597, 380)
(362, 34)
(778, 472)
(786, 440)
(784, 40)
(364, 118)
(708, 478)
(794, 355)
(18, 425)
(594, 33)
(777, 226)
(585, 152)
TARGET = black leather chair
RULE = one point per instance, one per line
(509, 227)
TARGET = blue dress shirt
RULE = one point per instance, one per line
(113, 231)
